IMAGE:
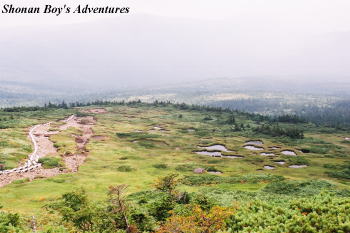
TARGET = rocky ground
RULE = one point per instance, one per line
(43, 146)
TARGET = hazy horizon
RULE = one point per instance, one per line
(162, 43)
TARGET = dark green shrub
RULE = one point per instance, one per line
(205, 202)
(161, 206)
(339, 171)
(323, 213)
(125, 168)
(82, 114)
(160, 166)
(185, 167)
(318, 149)
(141, 218)
(212, 169)
(10, 223)
(207, 118)
(50, 162)
(4, 144)
(21, 181)
(231, 120)
(298, 160)
(146, 144)
(302, 188)
(137, 135)
(276, 130)
(184, 198)
(207, 179)
(75, 208)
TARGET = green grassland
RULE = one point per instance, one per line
(143, 142)
(14, 142)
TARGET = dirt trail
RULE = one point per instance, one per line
(73, 161)
(43, 146)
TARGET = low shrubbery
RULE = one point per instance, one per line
(341, 171)
(137, 135)
(160, 166)
(324, 213)
(147, 144)
(50, 162)
(297, 160)
(82, 114)
(166, 209)
(302, 188)
(4, 144)
(278, 131)
(10, 223)
(21, 181)
(125, 168)
(318, 150)
(185, 167)
(212, 169)
(203, 132)
(207, 179)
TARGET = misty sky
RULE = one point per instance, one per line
(315, 15)
(168, 41)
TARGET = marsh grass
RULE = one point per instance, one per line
(141, 163)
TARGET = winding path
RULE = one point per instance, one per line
(33, 158)
(43, 146)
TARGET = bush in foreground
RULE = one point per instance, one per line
(167, 209)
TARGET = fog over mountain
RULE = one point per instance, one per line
(146, 51)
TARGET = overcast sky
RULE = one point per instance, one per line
(177, 40)
(316, 15)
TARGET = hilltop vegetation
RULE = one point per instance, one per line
(268, 174)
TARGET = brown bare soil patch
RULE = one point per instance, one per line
(95, 110)
(73, 162)
(45, 147)
(34, 174)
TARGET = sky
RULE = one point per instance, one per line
(164, 41)
(317, 15)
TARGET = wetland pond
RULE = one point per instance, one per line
(289, 152)
(216, 147)
(250, 147)
(267, 154)
(297, 166)
(218, 154)
(209, 153)
(233, 156)
(281, 162)
(254, 142)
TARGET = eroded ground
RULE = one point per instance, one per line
(44, 146)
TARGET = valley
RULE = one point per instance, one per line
(175, 117)
(136, 143)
